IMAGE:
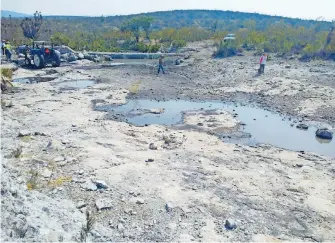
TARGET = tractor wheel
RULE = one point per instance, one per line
(39, 61)
(56, 59)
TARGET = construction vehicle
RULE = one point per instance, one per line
(41, 54)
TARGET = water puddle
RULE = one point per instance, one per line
(256, 125)
(31, 80)
(75, 84)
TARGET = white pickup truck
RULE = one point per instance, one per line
(229, 37)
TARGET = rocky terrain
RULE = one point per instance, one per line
(71, 173)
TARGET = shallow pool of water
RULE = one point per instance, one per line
(264, 126)
(76, 84)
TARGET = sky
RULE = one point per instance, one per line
(307, 9)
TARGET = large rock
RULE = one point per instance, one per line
(24, 133)
(100, 184)
(108, 58)
(103, 204)
(157, 110)
(89, 186)
(81, 56)
(324, 133)
(71, 57)
(230, 224)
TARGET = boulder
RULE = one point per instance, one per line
(89, 186)
(24, 133)
(71, 57)
(324, 133)
(108, 58)
(103, 204)
(230, 224)
(302, 126)
(81, 56)
(157, 111)
(100, 184)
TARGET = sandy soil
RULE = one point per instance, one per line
(155, 183)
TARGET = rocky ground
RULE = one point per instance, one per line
(70, 174)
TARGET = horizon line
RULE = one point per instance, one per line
(322, 19)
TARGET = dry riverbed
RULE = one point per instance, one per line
(75, 168)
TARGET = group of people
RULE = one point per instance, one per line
(6, 49)
(261, 69)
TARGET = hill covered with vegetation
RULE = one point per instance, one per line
(176, 28)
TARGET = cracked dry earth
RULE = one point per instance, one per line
(61, 159)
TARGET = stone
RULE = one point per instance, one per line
(152, 146)
(100, 184)
(302, 126)
(120, 227)
(200, 124)
(59, 159)
(140, 201)
(103, 204)
(230, 224)
(6, 103)
(81, 56)
(71, 159)
(108, 58)
(157, 111)
(46, 173)
(41, 133)
(324, 133)
(81, 204)
(65, 141)
(288, 66)
(71, 57)
(169, 206)
(23, 133)
(89, 186)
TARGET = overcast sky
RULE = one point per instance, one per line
(310, 9)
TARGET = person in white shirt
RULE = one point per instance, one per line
(262, 62)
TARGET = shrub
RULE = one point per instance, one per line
(226, 49)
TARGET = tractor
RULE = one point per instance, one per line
(41, 54)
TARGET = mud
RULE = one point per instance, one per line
(163, 183)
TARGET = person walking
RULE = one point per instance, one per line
(160, 64)
(3, 43)
(262, 62)
(8, 51)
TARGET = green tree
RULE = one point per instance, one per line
(134, 26)
(145, 23)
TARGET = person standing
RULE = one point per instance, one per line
(160, 64)
(8, 51)
(262, 62)
(3, 43)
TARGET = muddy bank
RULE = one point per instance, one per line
(157, 183)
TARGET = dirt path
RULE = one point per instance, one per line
(155, 183)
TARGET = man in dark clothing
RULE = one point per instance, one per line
(160, 65)
(3, 43)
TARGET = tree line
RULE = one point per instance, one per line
(140, 33)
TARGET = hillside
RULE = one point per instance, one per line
(6, 14)
(226, 20)
(176, 28)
